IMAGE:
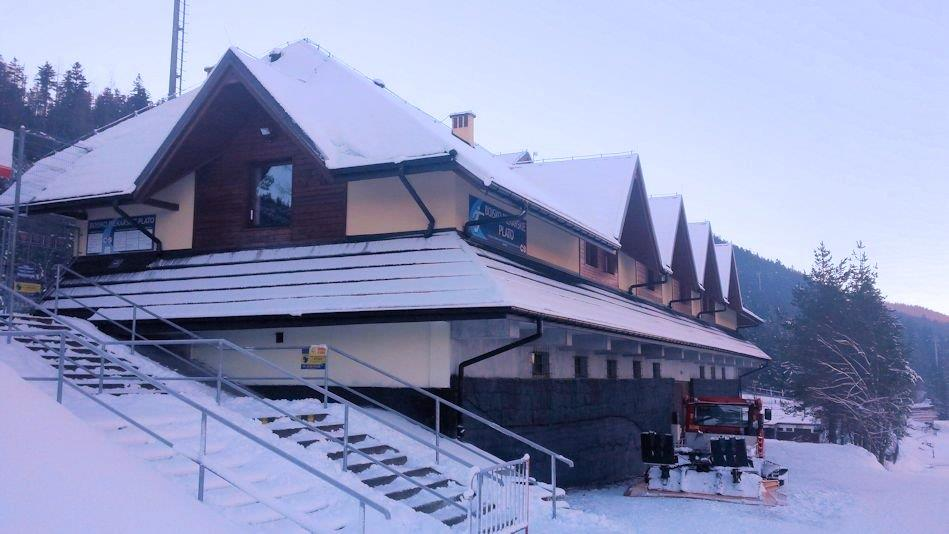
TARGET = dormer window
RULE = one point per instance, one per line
(599, 259)
(273, 194)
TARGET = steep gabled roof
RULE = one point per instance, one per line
(700, 236)
(595, 191)
(725, 258)
(672, 236)
(348, 120)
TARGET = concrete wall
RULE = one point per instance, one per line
(415, 352)
(175, 229)
(596, 423)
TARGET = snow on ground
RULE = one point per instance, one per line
(61, 475)
(839, 488)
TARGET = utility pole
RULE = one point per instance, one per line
(177, 49)
(19, 165)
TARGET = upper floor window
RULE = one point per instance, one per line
(580, 367)
(540, 364)
(656, 370)
(611, 371)
(637, 369)
(591, 255)
(273, 193)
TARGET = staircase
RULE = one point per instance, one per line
(377, 462)
(264, 494)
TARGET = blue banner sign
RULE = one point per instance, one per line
(108, 236)
(510, 234)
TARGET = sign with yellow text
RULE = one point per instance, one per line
(314, 357)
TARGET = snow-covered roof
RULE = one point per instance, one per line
(724, 257)
(350, 119)
(699, 235)
(665, 212)
(104, 164)
(398, 275)
(594, 191)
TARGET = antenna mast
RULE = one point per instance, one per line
(177, 49)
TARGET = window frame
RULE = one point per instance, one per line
(637, 369)
(588, 249)
(544, 370)
(254, 170)
(656, 369)
(612, 369)
(581, 366)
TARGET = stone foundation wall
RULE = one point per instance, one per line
(594, 422)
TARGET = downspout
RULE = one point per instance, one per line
(711, 312)
(539, 331)
(138, 226)
(418, 201)
(663, 278)
(693, 299)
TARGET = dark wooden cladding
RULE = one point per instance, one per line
(224, 186)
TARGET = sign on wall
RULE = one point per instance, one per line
(108, 236)
(510, 234)
(29, 278)
(314, 357)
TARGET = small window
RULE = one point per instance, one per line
(723, 374)
(580, 367)
(540, 364)
(610, 266)
(278, 337)
(701, 371)
(713, 373)
(611, 369)
(637, 369)
(591, 255)
(656, 370)
(273, 192)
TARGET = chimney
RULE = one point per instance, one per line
(462, 125)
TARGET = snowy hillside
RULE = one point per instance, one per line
(833, 488)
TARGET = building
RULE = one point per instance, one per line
(292, 201)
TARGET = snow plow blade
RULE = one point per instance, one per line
(769, 496)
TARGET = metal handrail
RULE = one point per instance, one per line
(439, 402)
(205, 414)
(226, 380)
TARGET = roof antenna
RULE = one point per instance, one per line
(177, 49)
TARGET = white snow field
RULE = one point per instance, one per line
(833, 488)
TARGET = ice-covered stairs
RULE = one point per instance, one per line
(374, 476)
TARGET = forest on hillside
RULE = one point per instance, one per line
(767, 288)
(58, 107)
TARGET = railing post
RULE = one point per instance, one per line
(59, 273)
(201, 452)
(134, 321)
(326, 379)
(438, 430)
(553, 485)
(220, 372)
(62, 363)
(101, 371)
(480, 511)
(362, 517)
(345, 437)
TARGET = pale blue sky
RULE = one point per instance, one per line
(783, 123)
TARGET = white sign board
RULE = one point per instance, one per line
(6, 154)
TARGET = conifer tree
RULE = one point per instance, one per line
(110, 105)
(138, 98)
(13, 111)
(849, 363)
(42, 95)
(71, 116)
